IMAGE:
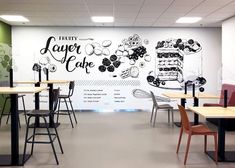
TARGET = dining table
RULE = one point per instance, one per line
(50, 83)
(195, 97)
(220, 113)
(14, 158)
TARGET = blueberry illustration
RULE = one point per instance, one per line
(116, 64)
(113, 57)
(150, 78)
(110, 68)
(102, 68)
(190, 41)
(106, 62)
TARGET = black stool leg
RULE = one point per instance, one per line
(51, 141)
(68, 112)
(34, 132)
(58, 138)
(24, 110)
(3, 110)
(26, 138)
(73, 110)
(58, 113)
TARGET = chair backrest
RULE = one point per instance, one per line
(230, 88)
(184, 118)
(231, 101)
(71, 87)
(56, 93)
(154, 99)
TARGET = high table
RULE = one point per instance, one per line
(221, 114)
(15, 159)
(183, 97)
(50, 84)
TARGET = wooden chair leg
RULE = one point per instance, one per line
(187, 148)
(179, 141)
(205, 143)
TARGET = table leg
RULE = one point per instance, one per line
(182, 103)
(14, 130)
(196, 103)
(50, 85)
(13, 159)
(223, 156)
(221, 138)
(36, 106)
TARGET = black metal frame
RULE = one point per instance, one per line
(70, 93)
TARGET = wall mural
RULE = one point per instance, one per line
(128, 52)
(127, 60)
(116, 68)
(169, 64)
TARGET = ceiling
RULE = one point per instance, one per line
(135, 13)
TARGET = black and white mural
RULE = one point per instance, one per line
(116, 68)
(170, 71)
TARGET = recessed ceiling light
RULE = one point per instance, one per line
(14, 18)
(102, 19)
(188, 19)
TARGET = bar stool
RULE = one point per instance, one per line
(67, 97)
(8, 114)
(52, 136)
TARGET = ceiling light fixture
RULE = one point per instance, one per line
(102, 19)
(14, 18)
(188, 19)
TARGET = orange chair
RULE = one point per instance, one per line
(194, 130)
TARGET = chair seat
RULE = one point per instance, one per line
(201, 129)
(39, 113)
(164, 106)
(63, 96)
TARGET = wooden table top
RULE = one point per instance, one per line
(43, 82)
(214, 112)
(25, 90)
(179, 95)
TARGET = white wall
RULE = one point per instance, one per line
(228, 51)
(27, 42)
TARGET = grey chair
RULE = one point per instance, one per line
(157, 107)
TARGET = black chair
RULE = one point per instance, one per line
(8, 114)
(67, 99)
(52, 136)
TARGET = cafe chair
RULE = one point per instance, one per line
(194, 130)
(8, 114)
(44, 114)
(157, 107)
(67, 99)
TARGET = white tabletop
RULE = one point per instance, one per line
(18, 90)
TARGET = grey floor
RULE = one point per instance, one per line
(118, 140)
